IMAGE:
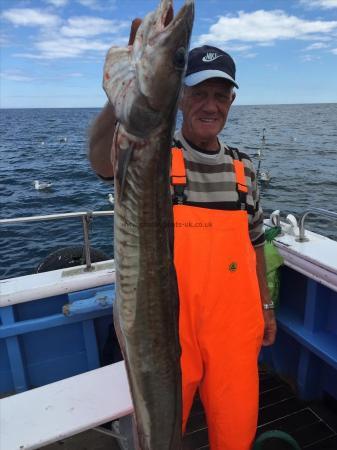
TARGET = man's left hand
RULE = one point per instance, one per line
(270, 327)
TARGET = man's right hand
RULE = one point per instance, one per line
(134, 27)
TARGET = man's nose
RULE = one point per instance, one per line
(210, 105)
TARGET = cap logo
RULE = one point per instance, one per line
(209, 57)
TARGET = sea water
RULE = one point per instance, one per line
(299, 151)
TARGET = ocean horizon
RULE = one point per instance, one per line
(234, 105)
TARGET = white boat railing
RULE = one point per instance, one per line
(87, 217)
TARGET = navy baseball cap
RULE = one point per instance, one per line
(209, 62)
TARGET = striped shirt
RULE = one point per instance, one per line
(211, 183)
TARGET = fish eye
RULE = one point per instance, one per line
(179, 59)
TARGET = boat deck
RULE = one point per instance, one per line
(313, 425)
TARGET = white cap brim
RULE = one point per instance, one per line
(199, 77)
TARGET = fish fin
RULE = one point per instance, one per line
(119, 80)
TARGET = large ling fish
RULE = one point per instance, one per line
(143, 83)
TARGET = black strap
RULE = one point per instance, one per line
(177, 143)
(179, 197)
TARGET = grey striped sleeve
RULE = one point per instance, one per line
(256, 229)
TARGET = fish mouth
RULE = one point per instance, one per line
(166, 20)
(169, 15)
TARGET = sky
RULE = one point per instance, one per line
(53, 51)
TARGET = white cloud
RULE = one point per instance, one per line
(325, 4)
(57, 3)
(250, 55)
(309, 58)
(74, 74)
(264, 26)
(237, 47)
(98, 5)
(91, 26)
(334, 51)
(30, 17)
(4, 40)
(69, 48)
(61, 47)
(15, 75)
(71, 38)
(316, 46)
(266, 44)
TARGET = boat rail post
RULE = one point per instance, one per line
(319, 211)
(86, 220)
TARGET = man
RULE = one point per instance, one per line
(225, 308)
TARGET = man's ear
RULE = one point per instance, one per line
(233, 96)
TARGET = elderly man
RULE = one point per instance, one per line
(225, 309)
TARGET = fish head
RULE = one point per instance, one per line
(143, 82)
(160, 52)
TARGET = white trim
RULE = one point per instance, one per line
(47, 284)
(199, 77)
(316, 258)
(309, 269)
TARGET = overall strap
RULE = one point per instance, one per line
(241, 185)
(178, 176)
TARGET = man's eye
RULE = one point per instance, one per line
(223, 97)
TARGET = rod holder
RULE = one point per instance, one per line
(303, 216)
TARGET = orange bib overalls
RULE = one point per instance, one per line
(221, 321)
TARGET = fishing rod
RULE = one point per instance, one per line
(262, 147)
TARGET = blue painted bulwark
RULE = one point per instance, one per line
(306, 346)
(102, 299)
(39, 344)
(14, 352)
(57, 337)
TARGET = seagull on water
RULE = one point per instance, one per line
(41, 185)
(111, 199)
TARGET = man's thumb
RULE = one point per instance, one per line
(134, 27)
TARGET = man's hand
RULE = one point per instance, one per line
(134, 27)
(270, 327)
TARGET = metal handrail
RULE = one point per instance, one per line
(303, 216)
(86, 216)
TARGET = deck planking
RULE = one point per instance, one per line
(312, 424)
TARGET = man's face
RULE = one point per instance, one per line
(205, 108)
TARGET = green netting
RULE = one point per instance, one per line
(273, 261)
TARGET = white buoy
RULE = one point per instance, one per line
(264, 176)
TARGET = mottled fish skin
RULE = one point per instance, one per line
(143, 83)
